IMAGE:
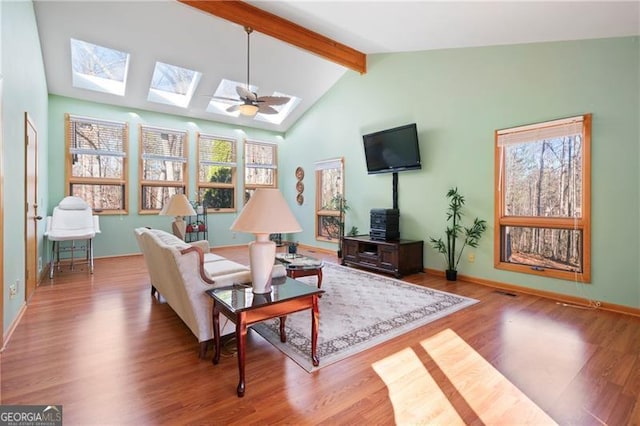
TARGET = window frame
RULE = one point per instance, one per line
(583, 223)
(246, 165)
(216, 185)
(180, 186)
(123, 181)
(319, 211)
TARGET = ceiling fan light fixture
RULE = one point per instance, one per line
(248, 109)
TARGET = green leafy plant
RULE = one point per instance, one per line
(353, 231)
(455, 230)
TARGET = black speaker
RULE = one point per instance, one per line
(385, 225)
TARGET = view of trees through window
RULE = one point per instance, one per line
(260, 167)
(543, 213)
(329, 199)
(163, 171)
(216, 172)
(96, 155)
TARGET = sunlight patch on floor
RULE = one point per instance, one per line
(493, 398)
(414, 394)
(461, 387)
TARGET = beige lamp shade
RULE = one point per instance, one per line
(178, 205)
(267, 212)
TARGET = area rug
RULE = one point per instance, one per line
(358, 311)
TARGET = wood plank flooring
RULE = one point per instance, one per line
(112, 355)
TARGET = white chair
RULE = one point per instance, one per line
(72, 220)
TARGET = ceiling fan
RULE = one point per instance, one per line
(250, 103)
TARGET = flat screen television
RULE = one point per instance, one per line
(392, 150)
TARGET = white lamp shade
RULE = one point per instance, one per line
(248, 109)
(267, 212)
(178, 205)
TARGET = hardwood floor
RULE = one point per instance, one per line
(111, 354)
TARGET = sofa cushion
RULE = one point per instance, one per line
(210, 257)
(223, 267)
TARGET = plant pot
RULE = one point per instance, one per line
(452, 275)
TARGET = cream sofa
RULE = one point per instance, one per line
(182, 272)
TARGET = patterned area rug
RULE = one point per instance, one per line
(357, 311)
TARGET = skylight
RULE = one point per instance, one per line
(283, 110)
(226, 96)
(98, 68)
(173, 85)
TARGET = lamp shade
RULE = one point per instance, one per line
(267, 212)
(178, 205)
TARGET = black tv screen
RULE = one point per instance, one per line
(392, 150)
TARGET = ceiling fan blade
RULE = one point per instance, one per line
(233, 108)
(274, 100)
(224, 99)
(266, 109)
(246, 94)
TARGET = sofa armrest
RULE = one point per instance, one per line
(201, 244)
(200, 253)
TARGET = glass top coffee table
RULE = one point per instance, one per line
(243, 308)
(298, 265)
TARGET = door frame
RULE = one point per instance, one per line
(31, 207)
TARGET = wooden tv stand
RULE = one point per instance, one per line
(399, 257)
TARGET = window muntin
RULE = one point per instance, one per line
(329, 199)
(97, 162)
(260, 167)
(543, 199)
(163, 166)
(216, 172)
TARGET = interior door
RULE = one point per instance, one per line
(31, 196)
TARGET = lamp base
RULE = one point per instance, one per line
(179, 227)
(262, 254)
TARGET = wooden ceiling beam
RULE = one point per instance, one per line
(267, 23)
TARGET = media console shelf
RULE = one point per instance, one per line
(399, 257)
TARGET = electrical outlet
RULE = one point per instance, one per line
(13, 289)
(472, 257)
(233, 235)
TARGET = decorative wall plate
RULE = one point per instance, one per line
(300, 173)
(300, 199)
(300, 186)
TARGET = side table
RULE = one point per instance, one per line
(240, 305)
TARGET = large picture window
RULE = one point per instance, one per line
(163, 166)
(543, 187)
(216, 172)
(329, 199)
(96, 159)
(260, 167)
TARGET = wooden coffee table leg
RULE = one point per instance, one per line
(241, 334)
(319, 278)
(216, 333)
(315, 322)
(283, 335)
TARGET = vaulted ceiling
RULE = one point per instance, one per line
(179, 34)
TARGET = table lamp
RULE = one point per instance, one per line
(178, 206)
(266, 213)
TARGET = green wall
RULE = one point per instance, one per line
(117, 231)
(458, 97)
(24, 90)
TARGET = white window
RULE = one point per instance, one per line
(96, 161)
(216, 172)
(260, 167)
(163, 166)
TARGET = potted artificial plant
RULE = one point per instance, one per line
(340, 204)
(471, 235)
